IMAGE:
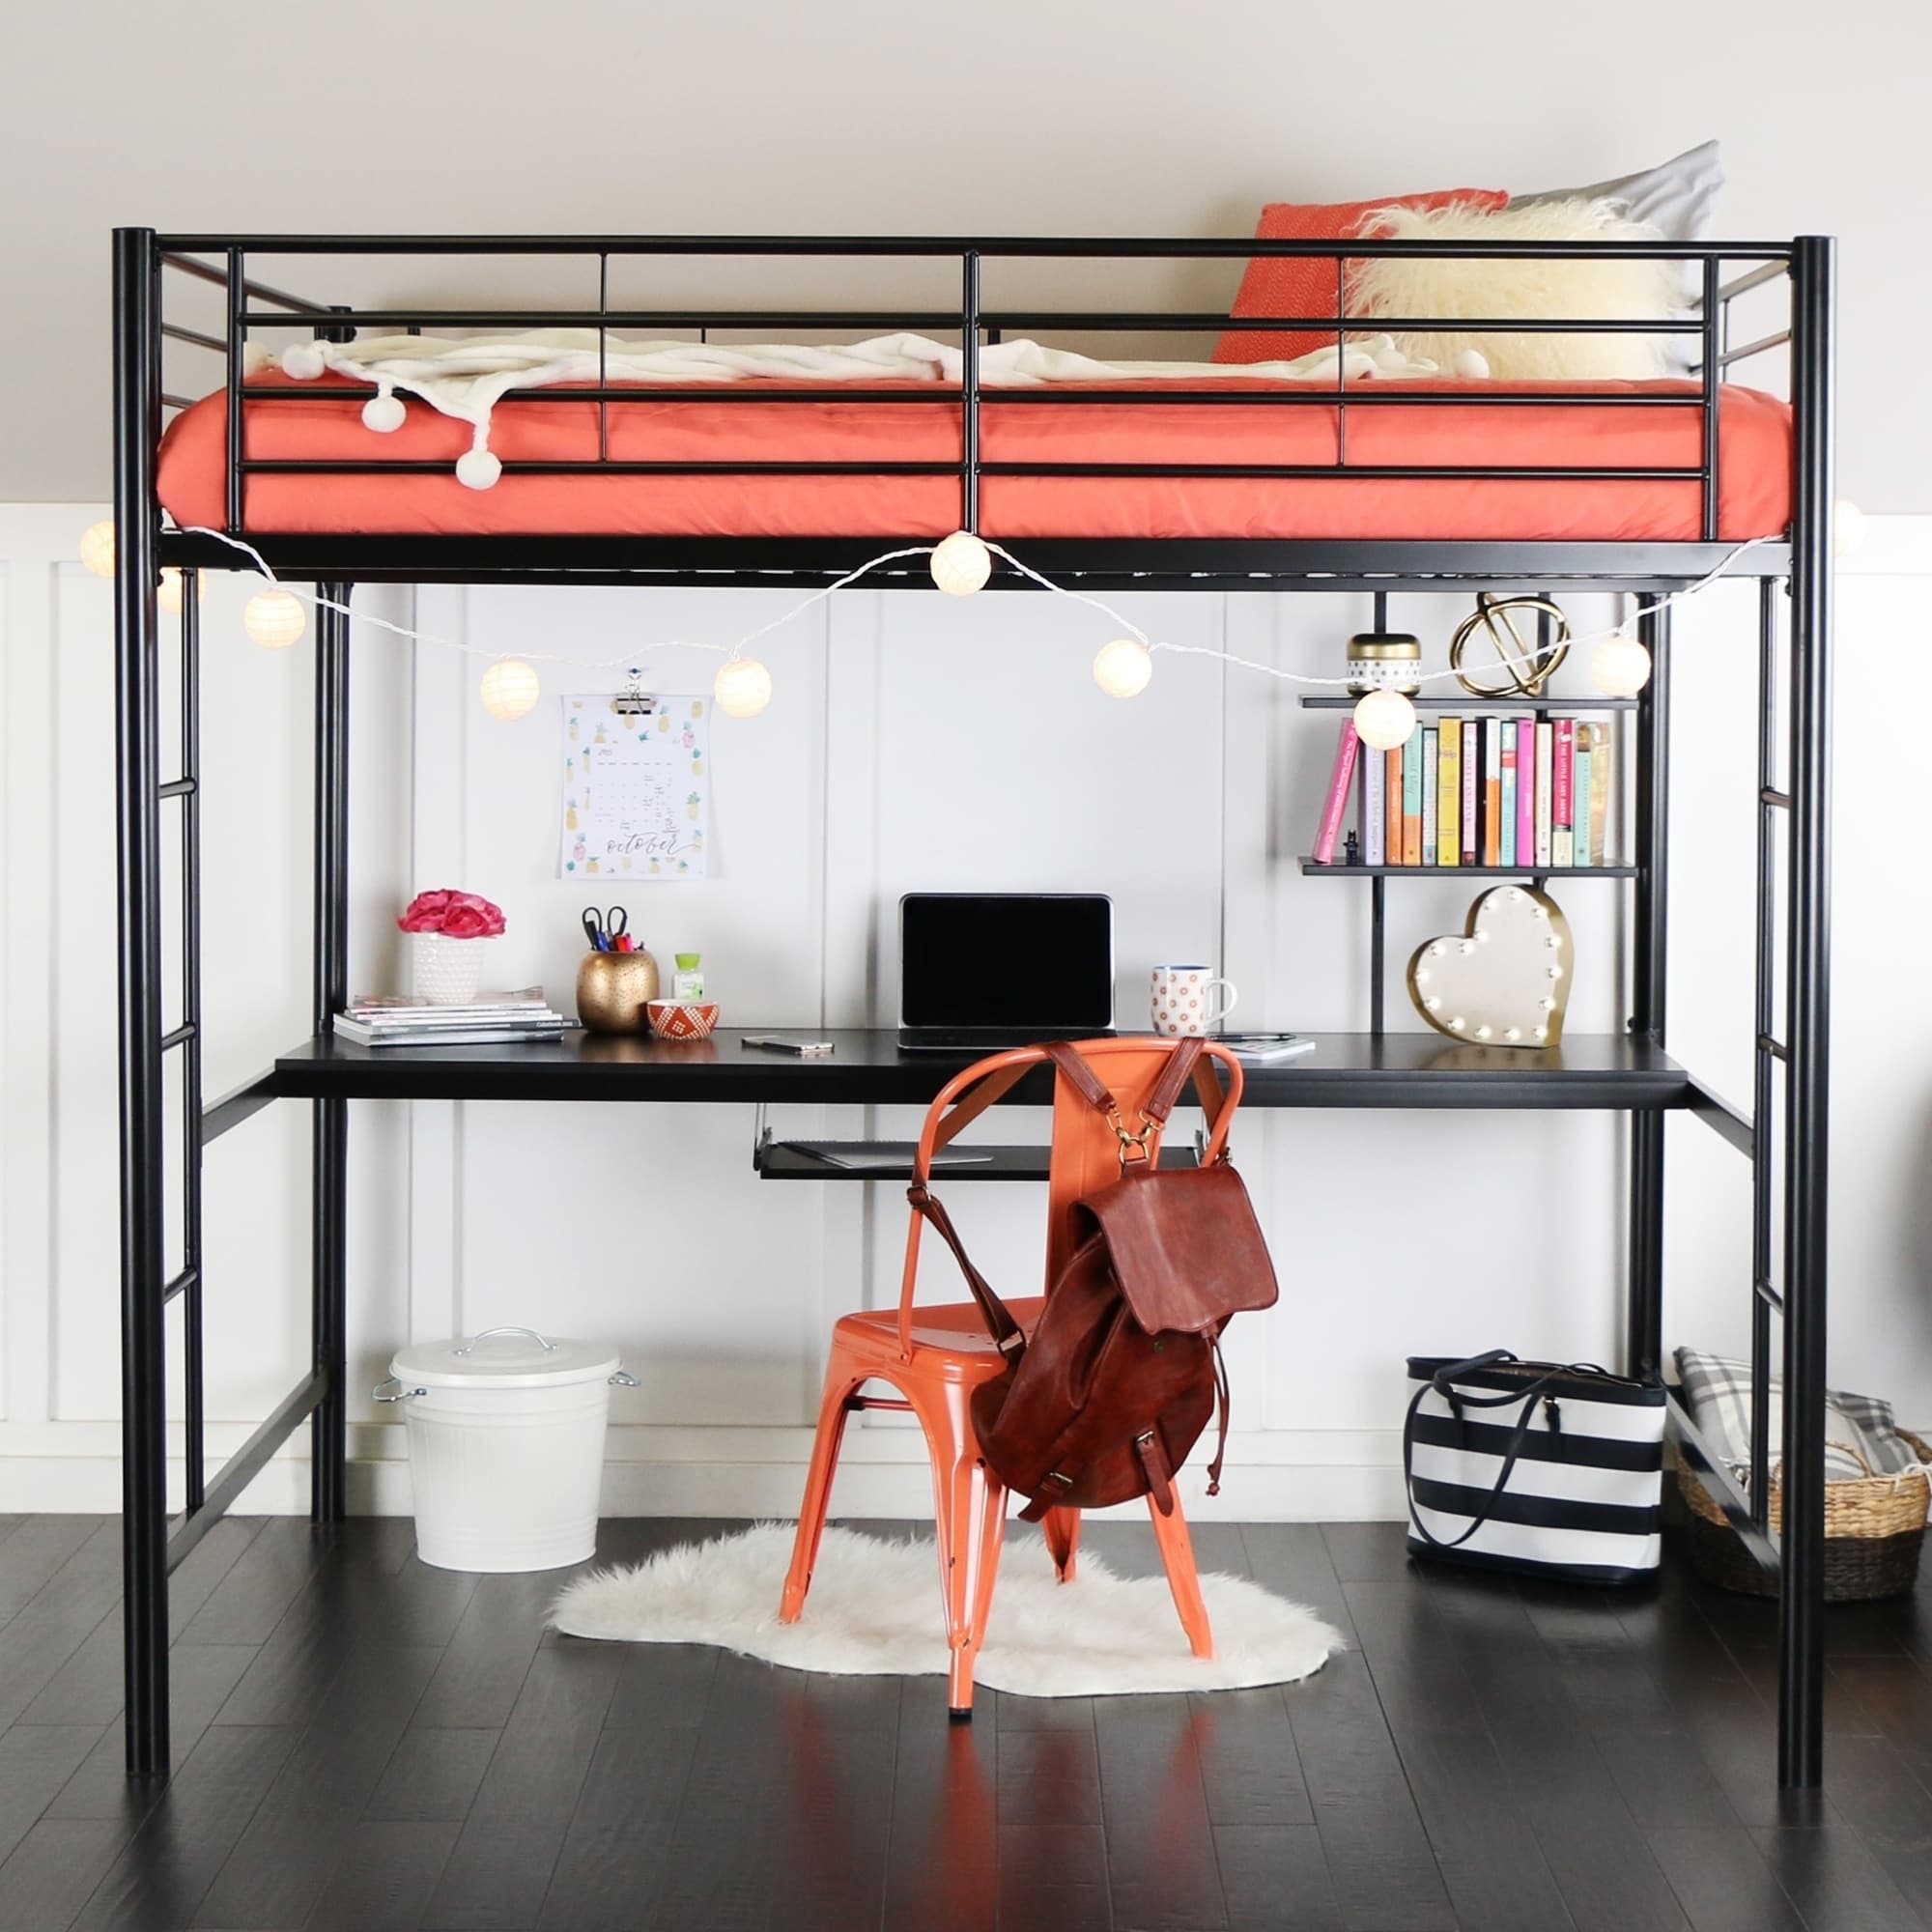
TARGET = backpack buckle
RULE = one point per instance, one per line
(1130, 1141)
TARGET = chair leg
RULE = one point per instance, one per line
(831, 1413)
(970, 1514)
(992, 1539)
(1177, 1555)
(1062, 1539)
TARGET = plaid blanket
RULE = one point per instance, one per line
(1717, 1393)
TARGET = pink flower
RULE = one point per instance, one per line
(458, 914)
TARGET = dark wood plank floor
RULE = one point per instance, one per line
(364, 1742)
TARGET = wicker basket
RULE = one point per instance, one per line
(1873, 1527)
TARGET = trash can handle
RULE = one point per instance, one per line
(624, 1379)
(402, 1394)
(549, 1347)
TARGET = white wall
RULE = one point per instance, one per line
(1014, 116)
(913, 741)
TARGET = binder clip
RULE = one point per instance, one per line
(634, 700)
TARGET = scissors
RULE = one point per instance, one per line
(605, 930)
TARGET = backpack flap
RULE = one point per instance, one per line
(1185, 1247)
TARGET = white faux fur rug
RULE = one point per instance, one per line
(874, 1610)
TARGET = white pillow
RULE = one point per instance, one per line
(1606, 286)
(1679, 196)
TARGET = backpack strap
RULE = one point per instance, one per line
(1221, 1441)
(1081, 1077)
(1006, 1332)
(1184, 1062)
(1180, 1067)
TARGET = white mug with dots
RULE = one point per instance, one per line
(1185, 1000)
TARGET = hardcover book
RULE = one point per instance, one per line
(1431, 786)
(1472, 793)
(1600, 794)
(1492, 791)
(1412, 800)
(1449, 792)
(1580, 798)
(1561, 795)
(1543, 738)
(1525, 790)
(1371, 816)
(1338, 793)
(1506, 759)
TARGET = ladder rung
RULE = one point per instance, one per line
(1769, 795)
(1769, 1295)
(1774, 1047)
(180, 788)
(184, 1280)
(186, 1030)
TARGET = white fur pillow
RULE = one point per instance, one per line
(1610, 288)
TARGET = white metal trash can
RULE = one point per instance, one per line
(506, 1446)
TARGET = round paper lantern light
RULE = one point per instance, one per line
(274, 619)
(1848, 527)
(743, 687)
(168, 592)
(1620, 667)
(96, 549)
(961, 564)
(1122, 668)
(510, 689)
(1384, 720)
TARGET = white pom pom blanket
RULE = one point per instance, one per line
(467, 379)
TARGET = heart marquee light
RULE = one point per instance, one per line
(1505, 979)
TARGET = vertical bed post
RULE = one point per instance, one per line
(328, 1260)
(1643, 1336)
(144, 1524)
(1764, 1056)
(968, 391)
(1807, 978)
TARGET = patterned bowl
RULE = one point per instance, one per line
(682, 1019)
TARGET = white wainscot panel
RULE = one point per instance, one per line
(645, 1227)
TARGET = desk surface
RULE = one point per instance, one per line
(1589, 1071)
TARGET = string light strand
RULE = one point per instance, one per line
(737, 652)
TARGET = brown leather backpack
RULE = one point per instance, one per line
(1105, 1398)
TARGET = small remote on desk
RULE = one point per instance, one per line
(772, 1042)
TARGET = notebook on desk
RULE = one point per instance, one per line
(981, 971)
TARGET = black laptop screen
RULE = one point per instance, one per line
(1035, 960)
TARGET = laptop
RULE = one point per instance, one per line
(981, 971)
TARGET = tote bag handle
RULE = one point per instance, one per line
(1439, 1385)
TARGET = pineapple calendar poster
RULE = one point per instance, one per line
(637, 790)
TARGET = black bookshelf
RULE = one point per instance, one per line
(1542, 707)
(1340, 868)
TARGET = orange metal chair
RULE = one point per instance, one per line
(935, 1356)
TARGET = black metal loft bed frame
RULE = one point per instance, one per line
(1367, 1073)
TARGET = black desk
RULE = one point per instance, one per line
(1347, 1069)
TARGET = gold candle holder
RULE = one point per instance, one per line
(1384, 661)
(612, 989)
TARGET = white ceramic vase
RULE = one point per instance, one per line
(447, 972)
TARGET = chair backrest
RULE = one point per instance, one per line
(1087, 1150)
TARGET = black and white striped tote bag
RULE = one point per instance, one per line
(1552, 1468)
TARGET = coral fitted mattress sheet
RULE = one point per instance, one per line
(1754, 467)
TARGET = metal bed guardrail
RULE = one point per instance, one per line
(1795, 630)
(254, 305)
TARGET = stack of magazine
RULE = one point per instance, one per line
(388, 1019)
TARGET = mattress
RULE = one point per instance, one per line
(325, 423)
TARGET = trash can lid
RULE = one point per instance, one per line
(505, 1358)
